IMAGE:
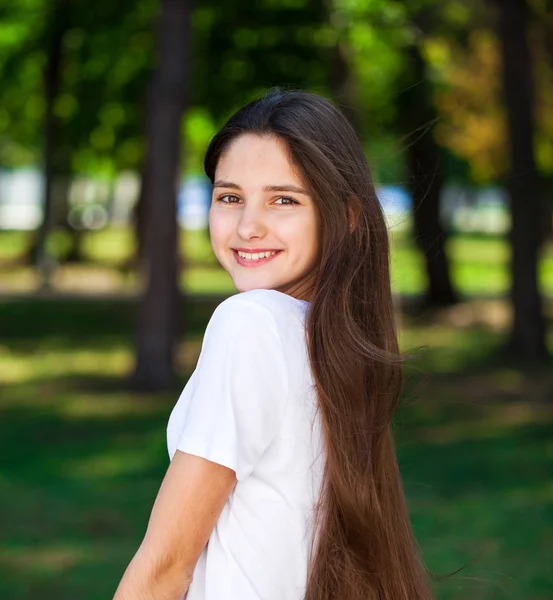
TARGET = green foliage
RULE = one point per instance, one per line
(354, 51)
(198, 128)
(59, 243)
(21, 94)
(111, 60)
(248, 47)
(107, 54)
(107, 58)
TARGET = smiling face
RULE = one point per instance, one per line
(260, 205)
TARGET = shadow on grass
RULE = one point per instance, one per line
(33, 318)
(79, 471)
(82, 458)
(79, 476)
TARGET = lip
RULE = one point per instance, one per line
(255, 250)
(253, 263)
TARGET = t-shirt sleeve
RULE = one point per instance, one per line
(240, 388)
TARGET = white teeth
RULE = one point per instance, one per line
(255, 256)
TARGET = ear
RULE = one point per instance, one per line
(354, 210)
(352, 219)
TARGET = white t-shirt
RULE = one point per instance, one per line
(251, 405)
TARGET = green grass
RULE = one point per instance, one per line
(82, 457)
(479, 264)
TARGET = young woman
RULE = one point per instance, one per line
(283, 483)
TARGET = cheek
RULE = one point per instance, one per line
(218, 229)
(303, 236)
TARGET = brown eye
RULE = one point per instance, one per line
(289, 201)
(231, 199)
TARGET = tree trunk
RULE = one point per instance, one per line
(527, 338)
(547, 208)
(417, 118)
(56, 28)
(544, 27)
(139, 219)
(158, 312)
(342, 84)
(340, 75)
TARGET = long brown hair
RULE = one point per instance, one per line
(363, 546)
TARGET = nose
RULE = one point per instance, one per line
(251, 223)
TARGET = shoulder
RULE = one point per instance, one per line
(247, 315)
(259, 306)
(243, 331)
(259, 317)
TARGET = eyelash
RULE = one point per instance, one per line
(290, 203)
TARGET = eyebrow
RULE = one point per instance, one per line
(268, 188)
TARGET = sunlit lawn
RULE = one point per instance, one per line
(81, 457)
(479, 264)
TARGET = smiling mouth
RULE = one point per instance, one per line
(254, 259)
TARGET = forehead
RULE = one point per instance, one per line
(257, 157)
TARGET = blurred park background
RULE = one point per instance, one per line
(107, 278)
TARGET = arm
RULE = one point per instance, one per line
(189, 502)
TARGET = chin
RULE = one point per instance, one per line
(247, 288)
(243, 286)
